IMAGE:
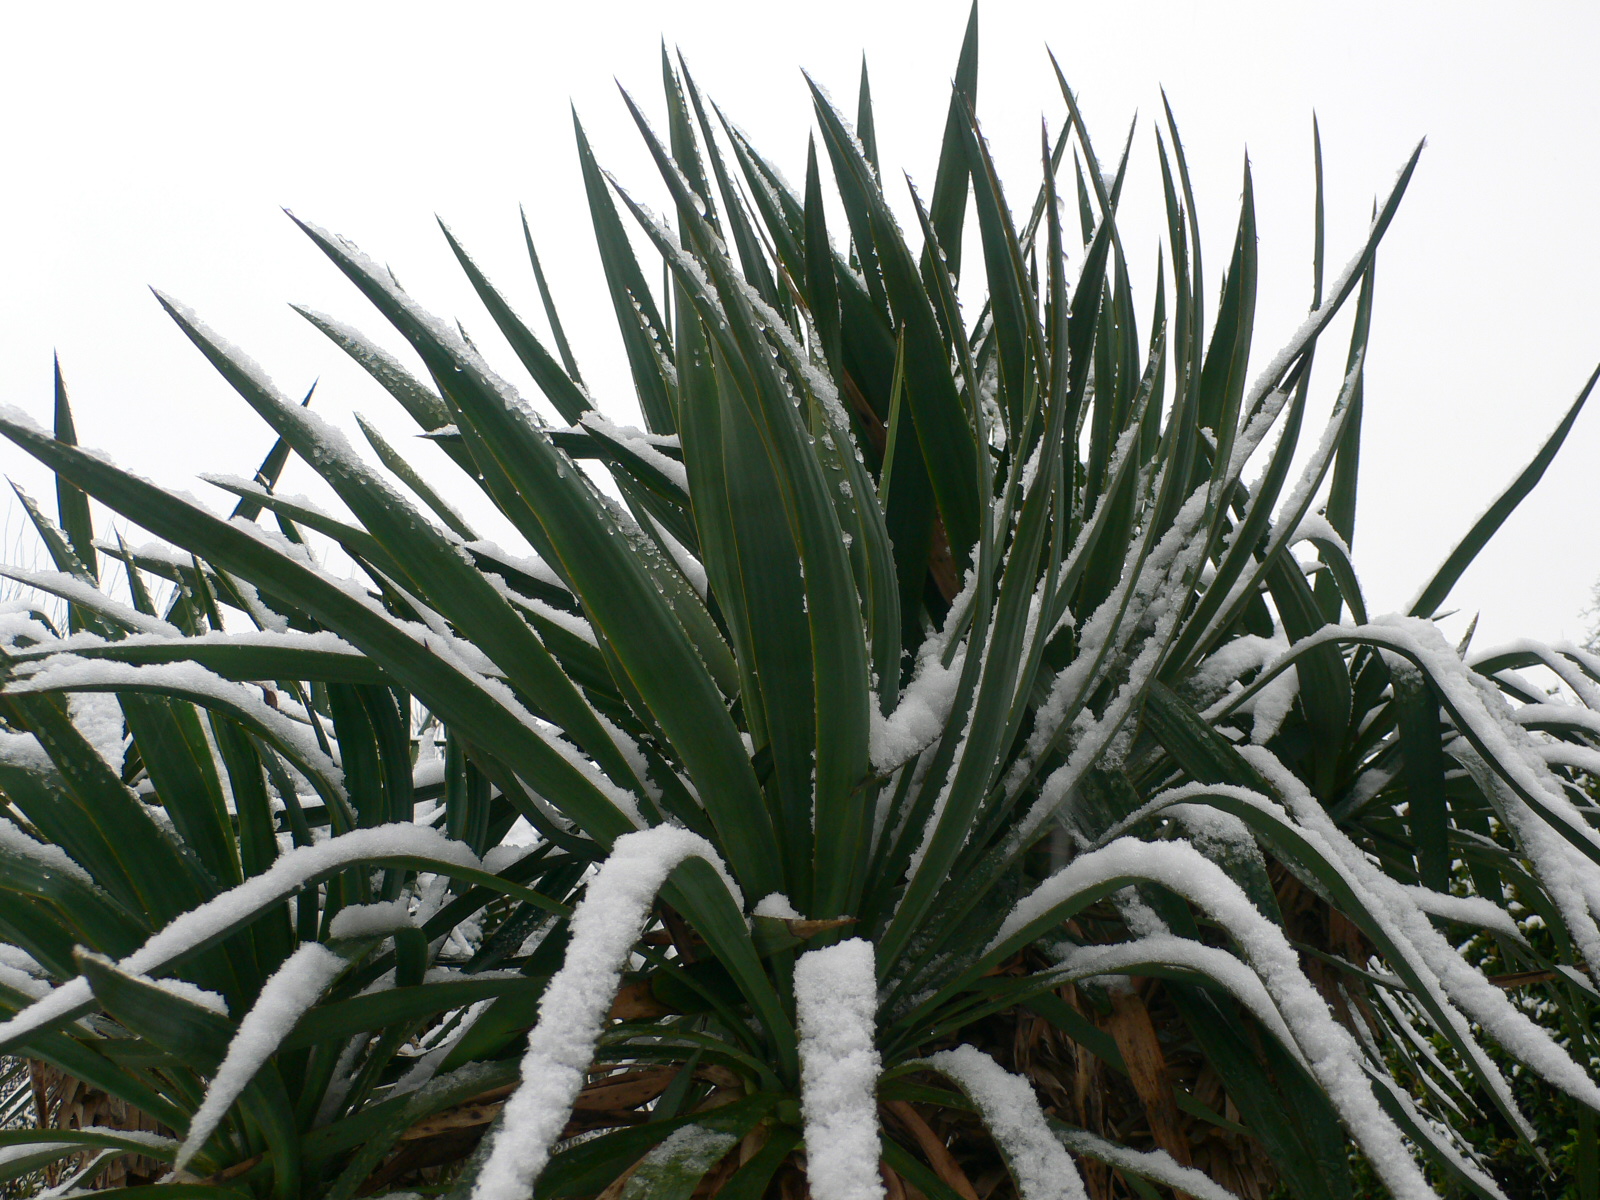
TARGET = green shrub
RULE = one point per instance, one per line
(937, 751)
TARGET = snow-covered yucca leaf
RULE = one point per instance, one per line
(925, 754)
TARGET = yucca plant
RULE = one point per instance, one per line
(947, 778)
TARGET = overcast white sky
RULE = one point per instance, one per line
(154, 143)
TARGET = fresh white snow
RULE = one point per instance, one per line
(371, 920)
(1043, 1169)
(776, 905)
(1334, 1058)
(236, 905)
(836, 1002)
(1152, 1164)
(293, 988)
(46, 854)
(574, 1008)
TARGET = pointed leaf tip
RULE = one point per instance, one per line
(1438, 588)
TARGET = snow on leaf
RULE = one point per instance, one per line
(573, 1010)
(776, 905)
(66, 672)
(46, 854)
(77, 591)
(1043, 1169)
(371, 920)
(640, 445)
(1334, 1058)
(292, 989)
(1080, 962)
(1152, 1164)
(220, 914)
(836, 1001)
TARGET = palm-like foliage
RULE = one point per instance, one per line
(929, 705)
